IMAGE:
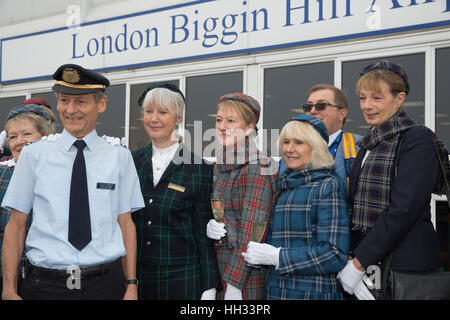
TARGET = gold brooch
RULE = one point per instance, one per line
(70, 75)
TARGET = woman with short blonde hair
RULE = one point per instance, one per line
(176, 260)
(320, 156)
(310, 225)
(245, 185)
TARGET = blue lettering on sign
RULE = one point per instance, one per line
(289, 8)
(209, 26)
(94, 51)
(225, 30)
(122, 35)
(304, 10)
(74, 47)
(183, 29)
(120, 43)
(132, 42)
(109, 38)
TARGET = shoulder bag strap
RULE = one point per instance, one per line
(447, 188)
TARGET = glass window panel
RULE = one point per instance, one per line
(5, 105)
(442, 231)
(138, 137)
(202, 95)
(285, 91)
(442, 123)
(112, 121)
(414, 104)
(51, 99)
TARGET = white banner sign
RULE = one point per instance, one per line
(204, 29)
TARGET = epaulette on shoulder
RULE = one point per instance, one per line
(52, 137)
(115, 141)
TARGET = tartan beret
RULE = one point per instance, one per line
(35, 108)
(315, 122)
(74, 79)
(38, 100)
(246, 99)
(387, 65)
(165, 85)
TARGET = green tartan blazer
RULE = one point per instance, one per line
(171, 229)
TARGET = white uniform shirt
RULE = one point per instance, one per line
(161, 159)
(41, 181)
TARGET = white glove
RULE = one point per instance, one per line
(361, 291)
(2, 140)
(215, 230)
(233, 293)
(349, 277)
(262, 253)
(209, 294)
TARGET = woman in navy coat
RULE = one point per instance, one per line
(391, 182)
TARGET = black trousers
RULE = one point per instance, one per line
(107, 284)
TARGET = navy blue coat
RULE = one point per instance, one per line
(405, 228)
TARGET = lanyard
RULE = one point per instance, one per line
(333, 147)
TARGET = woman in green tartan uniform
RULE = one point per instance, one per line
(176, 260)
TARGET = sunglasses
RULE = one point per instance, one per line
(319, 106)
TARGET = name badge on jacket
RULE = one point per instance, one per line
(176, 187)
(106, 186)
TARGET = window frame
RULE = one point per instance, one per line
(253, 66)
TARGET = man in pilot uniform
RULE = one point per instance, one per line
(82, 191)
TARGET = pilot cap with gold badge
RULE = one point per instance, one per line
(74, 79)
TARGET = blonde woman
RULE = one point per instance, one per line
(176, 261)
(245, 179)
(310, 225)
(24, 124)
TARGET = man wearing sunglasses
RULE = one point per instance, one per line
(330, 105)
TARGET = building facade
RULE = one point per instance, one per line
(274, 50)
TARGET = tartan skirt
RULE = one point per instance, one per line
(163, 282)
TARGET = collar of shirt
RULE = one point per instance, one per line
(333, 137)
(67, 140)
(161, 159)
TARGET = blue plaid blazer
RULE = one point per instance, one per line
(311, 225)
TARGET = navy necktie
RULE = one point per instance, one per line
(79, 217)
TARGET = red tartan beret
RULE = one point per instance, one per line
(38, 100)
(249, 101)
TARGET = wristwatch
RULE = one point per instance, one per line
(133, 281)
